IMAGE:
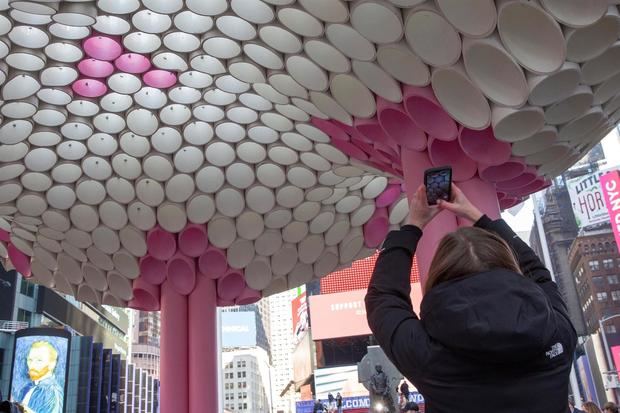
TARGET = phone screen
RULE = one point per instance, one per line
(438, 182)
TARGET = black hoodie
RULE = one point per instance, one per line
(495, 341)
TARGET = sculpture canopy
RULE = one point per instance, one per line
(259, 142)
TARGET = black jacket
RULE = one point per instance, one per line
(494, 341)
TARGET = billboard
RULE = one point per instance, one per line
(343, 380)
(40, 366)
(357, 276)
(586, 195)
(238, 329)
(299, 308)
(610, 183)
(355, 403)
(302, 360)
(344, 314)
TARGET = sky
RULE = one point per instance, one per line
(524, 219)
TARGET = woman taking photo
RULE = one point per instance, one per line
(493, 332)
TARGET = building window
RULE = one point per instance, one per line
(26, 288)
(608, 263)
(611, 329)
(241, 364)
(601, 296)
(615, 295)
(594, 265)
(24, 315)
(612, 279)
(598, 281)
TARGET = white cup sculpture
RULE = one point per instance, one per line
(182, 155)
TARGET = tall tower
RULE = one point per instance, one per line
(282, 346)
(145, 341)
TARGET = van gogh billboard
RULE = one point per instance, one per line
(39, 374)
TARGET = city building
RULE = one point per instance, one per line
(282, 347)
(560, 229)
(246, 362)
(24, 304)
(246, 380)
(145, 341)
(595, 264)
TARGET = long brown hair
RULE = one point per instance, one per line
(469, 251)
(590, 407)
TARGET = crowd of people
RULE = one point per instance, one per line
(591, 407)
(332, 405)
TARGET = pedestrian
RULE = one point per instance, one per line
(331, 403)
(493, 326)
(591, 407)
(610, 407)
(572, 408)
(318, 407)
(339, 402)
(404, 389)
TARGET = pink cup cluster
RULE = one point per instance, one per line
(420, 124)
(20, 261)
(106, 56)
(180, 259)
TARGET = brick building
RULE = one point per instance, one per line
(595, 264)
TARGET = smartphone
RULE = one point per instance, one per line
(438, 182)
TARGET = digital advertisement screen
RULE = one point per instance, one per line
(238, 329)
(40, 365)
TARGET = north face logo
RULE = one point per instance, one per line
(555, 351)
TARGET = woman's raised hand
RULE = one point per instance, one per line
(460, 205)
(420, 212)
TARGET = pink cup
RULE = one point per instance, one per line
(132, 63)
(182, 273)
(145, 296)
(95, 68)
(161, 244)
(248, 296)
(20, 261)
(102, 47)
(153, 270)
(450, 153)
(193, 240)
(520, 181)
(399, 126)
(350, 149)
(504, 172)
(161, 79)
(212, 263)
(330, 128)
(426, 111)
(90, 88)
(388, 196)
(481, 146)
(230, 286)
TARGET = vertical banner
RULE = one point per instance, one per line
(40, 366)
(299, 308)
(610, 183)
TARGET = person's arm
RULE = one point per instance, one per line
(390, 314)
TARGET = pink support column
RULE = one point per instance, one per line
(203, 368)
(485, 196)
(174, 369)
(414, 165)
